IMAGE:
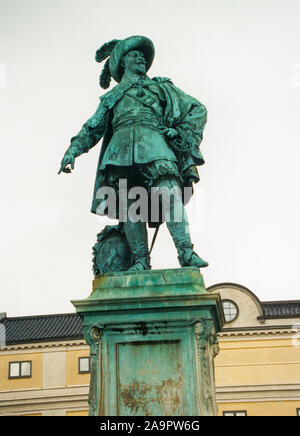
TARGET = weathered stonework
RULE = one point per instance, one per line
(153, 339)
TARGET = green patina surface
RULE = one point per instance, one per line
(152, 336)
(151, 133)
(145, 388)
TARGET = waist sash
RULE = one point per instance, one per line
(143, 118)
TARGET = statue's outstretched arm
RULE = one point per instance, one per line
(90, 134)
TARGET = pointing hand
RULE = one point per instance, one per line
(67, 162)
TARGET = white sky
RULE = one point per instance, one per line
(241, 58)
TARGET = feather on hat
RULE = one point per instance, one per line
(101, 54)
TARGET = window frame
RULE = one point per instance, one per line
(227, 300)
(20, 376)
(234, 412)
(84, 372)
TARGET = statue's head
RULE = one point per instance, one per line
(134, 54)
(134, 62)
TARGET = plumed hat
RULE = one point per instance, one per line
(115, 50)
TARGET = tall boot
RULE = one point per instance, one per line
(180, 233)
(184, 246)
(136, 234)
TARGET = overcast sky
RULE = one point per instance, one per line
(241, 58)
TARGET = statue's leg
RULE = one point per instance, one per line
(136, 234)
(137, 237)
(178, 225)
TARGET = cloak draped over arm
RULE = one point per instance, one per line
(188, 116)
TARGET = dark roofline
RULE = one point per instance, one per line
(42, 328)
(286, 309)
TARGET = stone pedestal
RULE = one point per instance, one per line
(153, 339)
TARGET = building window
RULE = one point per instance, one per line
(235, 413)
(298, 412)
(84, 365)
(19, 369)
(231, 310)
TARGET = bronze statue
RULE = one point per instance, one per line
(151, 134)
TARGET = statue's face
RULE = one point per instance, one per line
(134, 61)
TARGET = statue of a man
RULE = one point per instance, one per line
(151, 135)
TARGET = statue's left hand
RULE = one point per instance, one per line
(67, 162)
(169, 132)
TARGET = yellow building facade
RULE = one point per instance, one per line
(44, 360)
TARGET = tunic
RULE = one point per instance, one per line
(136, 137)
